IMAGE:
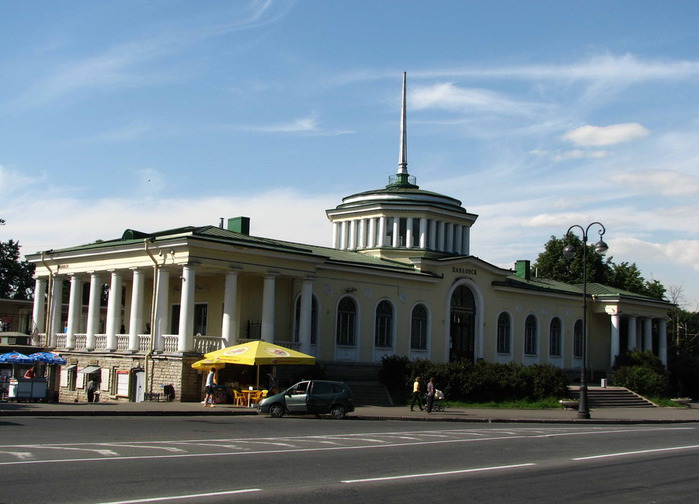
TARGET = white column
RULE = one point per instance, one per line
(440, 236)
(466, 246)
(162, 298)
(662, 341)
(185, 334)
(74, 310)
(409, 232)
(39, 309)
(136, 316)
(632, 342)
(459, 240)
(267, 329)
(432, 234)
(449, 232)
(229, 323)
(648, 334)
(361, 234)
(113, 311)
(396, 232)
(352, 235)
(305, 316)
(343, 235)
(336, 235)
(381, 242)
(371, 234)
(93, 310)
(423, 233)
(56, 310)
(614, 339)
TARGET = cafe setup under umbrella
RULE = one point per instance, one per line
(257, 353)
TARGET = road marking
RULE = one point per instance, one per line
(639, 452)
(496, 435)
(179, 497)
(145, 447)
(19, 455)
(442, 473)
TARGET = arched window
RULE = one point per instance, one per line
(504, 333)
(530, 335)
(555, 337)
(578, 339)
(346, 322)
(383, 328)
(418, 328)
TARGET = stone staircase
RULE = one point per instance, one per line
(612, 397)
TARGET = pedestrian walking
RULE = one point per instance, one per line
(430, 395)
(210, 382)
(417, 395)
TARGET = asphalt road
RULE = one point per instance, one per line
(258, 459)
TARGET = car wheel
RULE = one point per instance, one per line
(338, 411)
(276, 410)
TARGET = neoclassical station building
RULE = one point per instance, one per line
(399, 279)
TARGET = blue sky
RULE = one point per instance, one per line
(536, 115)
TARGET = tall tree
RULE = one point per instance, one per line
(16, 276)
(553, 265)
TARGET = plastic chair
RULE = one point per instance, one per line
(238, 398)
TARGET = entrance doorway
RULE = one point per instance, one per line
(463, 325)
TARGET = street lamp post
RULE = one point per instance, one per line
(569, 253)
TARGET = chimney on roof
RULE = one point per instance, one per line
(523, 270)
(239, 225)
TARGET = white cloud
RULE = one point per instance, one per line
(606, 135)
(665, 182)
(571, 154)
(59, 222)
(450, 97)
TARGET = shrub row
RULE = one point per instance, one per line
(475, 382)
(642, 372)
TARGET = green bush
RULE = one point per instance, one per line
(475, 382)
(642, 380)
(640, 358)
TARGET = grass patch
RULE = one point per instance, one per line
(665, 402)
(518, 404)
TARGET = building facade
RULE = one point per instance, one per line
(398, 280)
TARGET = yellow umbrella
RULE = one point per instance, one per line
(206, 364)
(259, 353)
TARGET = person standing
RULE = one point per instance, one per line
(91, 387)
(417, 395)
(430, 395)
(210, 382)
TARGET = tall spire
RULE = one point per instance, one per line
(403, 156)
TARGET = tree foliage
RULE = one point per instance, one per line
(552, 264)
(16, 276)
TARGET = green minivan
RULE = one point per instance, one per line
(310, 397)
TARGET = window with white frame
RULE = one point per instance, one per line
(418, 328)
(530, 335)
(383, 326)
(504, 333)
(555, 337)
(346, 322)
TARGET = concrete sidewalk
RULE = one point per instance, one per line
(501, 415)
